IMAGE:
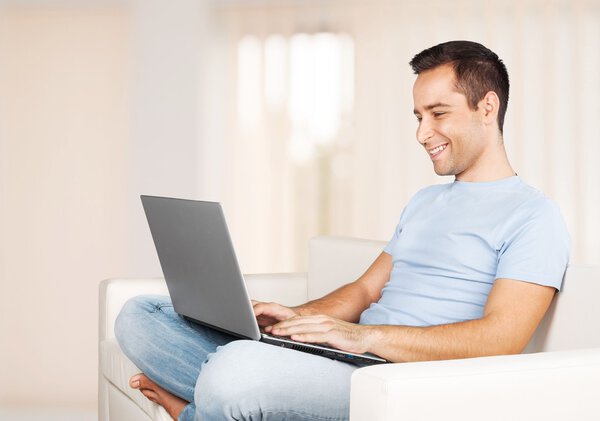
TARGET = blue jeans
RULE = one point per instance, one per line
(225, 378)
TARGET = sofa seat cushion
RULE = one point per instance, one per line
(118, 369)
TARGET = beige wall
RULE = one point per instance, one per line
(100, 101)
(65, 121)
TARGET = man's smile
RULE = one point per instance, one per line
(433, 152)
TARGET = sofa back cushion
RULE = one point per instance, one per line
(573, 318)
(335, 261)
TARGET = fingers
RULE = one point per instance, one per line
(272, 310)
(322, 329)
(303, 323)
(269, 314)
(315, 338)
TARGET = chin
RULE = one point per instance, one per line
(447, 170)
(441, 172)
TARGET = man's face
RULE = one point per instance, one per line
(450, 131)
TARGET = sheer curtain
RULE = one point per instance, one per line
(284, 184)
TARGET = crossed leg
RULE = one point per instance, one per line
(241, 380)
(168, 349)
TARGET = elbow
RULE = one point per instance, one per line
(505, 336)
(507, 345)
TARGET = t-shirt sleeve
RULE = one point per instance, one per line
(390, 245)
(537, 250)
(417, 198)
(389, 248)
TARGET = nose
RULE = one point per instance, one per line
(424, 131)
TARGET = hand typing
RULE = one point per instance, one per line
(269, 314)
(324, 329)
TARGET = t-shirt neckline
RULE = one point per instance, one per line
(503, 182)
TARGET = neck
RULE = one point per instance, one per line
(492, 165)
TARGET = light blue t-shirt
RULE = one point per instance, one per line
(454, 240)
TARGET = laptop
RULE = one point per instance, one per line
(203, 276)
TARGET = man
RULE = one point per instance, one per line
(470, 271)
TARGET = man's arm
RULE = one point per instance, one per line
(511, 315)
(345, 303)
(349, 301)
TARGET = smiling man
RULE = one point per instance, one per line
(470, 271)
(460, 107)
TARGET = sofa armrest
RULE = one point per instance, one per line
(115, 292)
(549, 386)
(285, 288)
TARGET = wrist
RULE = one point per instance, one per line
(372, 338)
(301, 310)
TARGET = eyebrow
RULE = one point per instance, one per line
(432, 106)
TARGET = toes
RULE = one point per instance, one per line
(135, 381)
(140, 381)
(146, 383)
(145, 386)
(150, 394)
(173, 404)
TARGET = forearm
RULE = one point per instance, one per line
(512, 313)
(468, 339)
(345, 303)
(348, 302)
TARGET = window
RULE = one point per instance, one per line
(294, 101)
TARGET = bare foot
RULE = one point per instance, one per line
(172, 404)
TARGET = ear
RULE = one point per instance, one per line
(489, 107)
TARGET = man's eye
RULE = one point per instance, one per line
(418, 118)
(438, 114)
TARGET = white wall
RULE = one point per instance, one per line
(170, 64)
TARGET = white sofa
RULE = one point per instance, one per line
(558, 378)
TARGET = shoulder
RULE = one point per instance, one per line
(421, 199)
(425, 197)
(430, 192)
(533, 220)
(534, 242)
(531, 203)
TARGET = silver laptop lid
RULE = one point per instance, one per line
(199, 264)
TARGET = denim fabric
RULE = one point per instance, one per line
(228, 379)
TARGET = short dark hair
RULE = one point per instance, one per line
(478, 70)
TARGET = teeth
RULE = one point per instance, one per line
(438, 149)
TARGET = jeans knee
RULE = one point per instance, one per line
(228, 387)
(130, 320)
(250, 380)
